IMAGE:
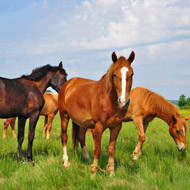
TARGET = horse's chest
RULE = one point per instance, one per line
(109, 117)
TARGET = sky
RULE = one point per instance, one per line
(83, 35)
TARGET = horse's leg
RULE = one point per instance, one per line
(64, 123)
(45, 126)
(6, 124)
(97, 135)
(12, 123)
(21, 127)
(49, 125)
(145, 125)
(32, 125)
(113, 137)
(82, 133)
(139, 125)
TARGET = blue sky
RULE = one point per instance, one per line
(83, 34)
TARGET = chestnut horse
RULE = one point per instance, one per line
(144, 106)
(49, 110)
(97, 104)
(23, 98)
(11, 122)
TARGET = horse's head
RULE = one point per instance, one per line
(177, 129)
(59, 78)
(120, 77)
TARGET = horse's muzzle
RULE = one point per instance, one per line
(123, 105)
(181, 146)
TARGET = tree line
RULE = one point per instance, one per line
(184, 102)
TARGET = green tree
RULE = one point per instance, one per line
(188, 101)
(182, 101)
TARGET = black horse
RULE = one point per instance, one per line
(23, 98)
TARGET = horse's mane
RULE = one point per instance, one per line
(162, 107)
(38, 73)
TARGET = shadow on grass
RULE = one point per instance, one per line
(130, 165)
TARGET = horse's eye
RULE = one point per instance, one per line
(177, 131)
(114, 75)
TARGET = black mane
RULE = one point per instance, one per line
(38, 73)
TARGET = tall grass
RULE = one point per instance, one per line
(160, 167)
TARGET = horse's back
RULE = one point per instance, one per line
(73, 87)
(75, 98)
(139, 104)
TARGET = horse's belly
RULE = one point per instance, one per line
(82, 119)
(89, 123)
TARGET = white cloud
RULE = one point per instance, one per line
(130, 23)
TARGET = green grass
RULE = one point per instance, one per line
(160, 167)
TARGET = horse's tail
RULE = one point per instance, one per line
(75, 135)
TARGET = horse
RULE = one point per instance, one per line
(49, 110)
(11, 122)
(97, 104)
(144, 106)
(23, 98)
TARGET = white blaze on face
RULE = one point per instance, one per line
(123, 83)
(184, 130)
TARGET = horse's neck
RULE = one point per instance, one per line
(109, 95)
(164, 110)
(55, 95)
(43, 83)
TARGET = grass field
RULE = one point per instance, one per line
(160, 167)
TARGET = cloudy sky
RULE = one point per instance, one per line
(83, 34)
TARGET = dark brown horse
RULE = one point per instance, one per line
(23, 98)
(144, 106)
(97, 104)
(49, 110)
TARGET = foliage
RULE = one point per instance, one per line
(160, 167)
(183, 102)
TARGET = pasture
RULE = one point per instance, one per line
(161, 166)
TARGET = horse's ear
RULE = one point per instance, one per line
(60, 64)
(131, 57)
(187, 117)
(114, 57)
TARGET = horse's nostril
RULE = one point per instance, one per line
(119, 100)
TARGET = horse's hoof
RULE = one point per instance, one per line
(4, 137)
(135, 156)
(66, 164)
(112, 174)
(87, 157)
(48, 137)
(93, 169)
(32, 162)
(110, 170)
